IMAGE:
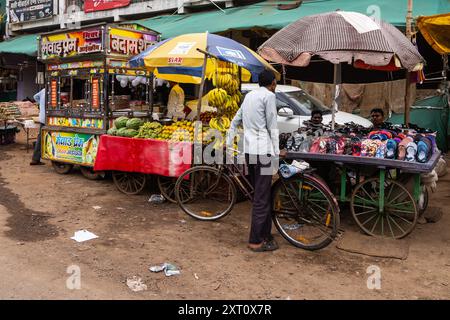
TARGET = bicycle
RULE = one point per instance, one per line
(304, 210)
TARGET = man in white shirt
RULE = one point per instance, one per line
(40, 98)
(258, 116)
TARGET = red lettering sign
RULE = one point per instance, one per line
(95, 94)
(53, 94)
(87, 35)
(175, 60)
(99, 5)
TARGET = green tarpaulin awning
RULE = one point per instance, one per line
(267, 15)
(26, 44)
(261, 15)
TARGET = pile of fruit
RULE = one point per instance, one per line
(225, 103)
(149, 130)
(205, 117)
(178, 131)
(219, 125)
(124, 127)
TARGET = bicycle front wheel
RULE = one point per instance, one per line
(205, 193)
(305, 212)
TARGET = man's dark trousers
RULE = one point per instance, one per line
(37, 148)
(261, 179)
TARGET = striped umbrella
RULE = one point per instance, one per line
(340, 37)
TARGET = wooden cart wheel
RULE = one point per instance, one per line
(166, 186)
(88, 172)
(62, 168)
(398, 215)
(129, 182)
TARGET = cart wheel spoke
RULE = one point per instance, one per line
(365, 212)
(396, 219)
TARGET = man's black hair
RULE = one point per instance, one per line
(266, 78)
(377, 110)
(316, 112)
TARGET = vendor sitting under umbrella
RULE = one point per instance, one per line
(377, 118)
(175, 104)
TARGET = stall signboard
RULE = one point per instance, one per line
(77, 148)
(100, 5)
(87, 123)
(75, 65)
(28, 10)
(119, 42)
(128, 42)
(70, 44)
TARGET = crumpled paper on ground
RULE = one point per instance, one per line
(136, 284)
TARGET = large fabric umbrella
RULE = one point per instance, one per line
(340, 37)
(177, 59)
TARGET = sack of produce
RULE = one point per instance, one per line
(121, 122)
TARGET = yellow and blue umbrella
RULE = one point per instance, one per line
(177, 59)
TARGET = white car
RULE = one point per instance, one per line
(294, 106)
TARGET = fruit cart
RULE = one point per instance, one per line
(377, 190)
(89, 84)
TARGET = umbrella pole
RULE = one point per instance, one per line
(202, 85)
(337, 82)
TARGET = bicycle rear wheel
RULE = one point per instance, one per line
(305, 212)
(205, 193)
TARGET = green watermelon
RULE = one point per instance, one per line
(134, 123)
(121, 122)
(130, 133)
(112, 131)
(121, 132)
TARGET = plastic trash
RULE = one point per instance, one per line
(83, 235)
(169, 269)
(294, 226)
(156, 198)
(136, 284)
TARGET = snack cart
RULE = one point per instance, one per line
(89, 84)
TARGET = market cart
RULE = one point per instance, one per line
(169, 152)
(377, 190)
(133, 160)
(89, 84)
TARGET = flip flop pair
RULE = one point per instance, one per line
(391, 149)
(402, 147)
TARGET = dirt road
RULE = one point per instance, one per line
(40, 210)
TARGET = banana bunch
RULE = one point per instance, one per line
(222, 124)
(227, 82)
(218, 97)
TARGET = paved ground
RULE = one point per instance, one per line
(40, 210)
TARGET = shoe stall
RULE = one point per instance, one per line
(376, 171)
